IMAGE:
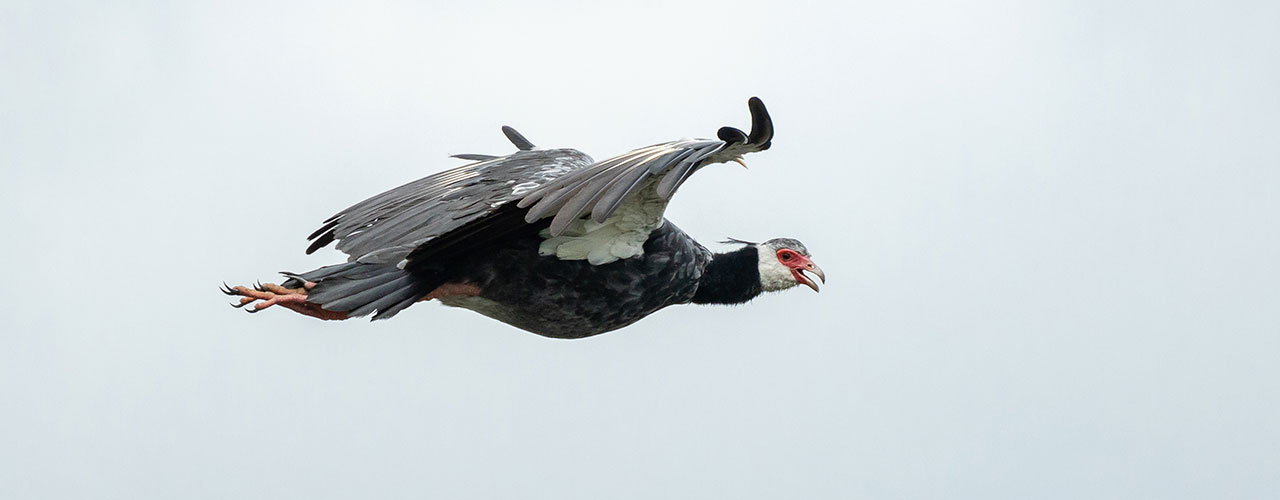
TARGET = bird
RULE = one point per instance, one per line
(546, 240)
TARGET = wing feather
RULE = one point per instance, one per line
(600, 189)
(685, 168)
(388, 226)
(442, 214)
(595, 188)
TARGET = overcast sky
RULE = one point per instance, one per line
(1050, 231)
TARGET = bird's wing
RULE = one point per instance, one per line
(387, 227)
(451, 211)
(599, 189)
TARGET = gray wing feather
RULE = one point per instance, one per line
(682, 170)
(517, 139)
(617, 191)
(596, 187)
(474, 157)
(600, 188)
(559, 183)
(385, 228)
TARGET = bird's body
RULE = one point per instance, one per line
(576, 298)
(549, 241)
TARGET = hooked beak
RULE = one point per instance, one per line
(805, 280)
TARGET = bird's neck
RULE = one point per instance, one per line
(730, 278)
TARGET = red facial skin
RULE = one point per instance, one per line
(797, 263)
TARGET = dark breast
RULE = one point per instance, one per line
(574, 299)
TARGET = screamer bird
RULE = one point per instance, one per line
(546, 240)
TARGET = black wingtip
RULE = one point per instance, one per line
(474, 157)
(731, 135)
(325, 239)
(329, 225)
(761, 124)
(517, 139)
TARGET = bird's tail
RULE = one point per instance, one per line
(359, 289)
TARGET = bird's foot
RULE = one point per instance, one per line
(271, 294)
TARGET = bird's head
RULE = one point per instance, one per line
(784, 263)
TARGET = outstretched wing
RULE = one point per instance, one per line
(387, 227)
(444, 211)
(600, 189)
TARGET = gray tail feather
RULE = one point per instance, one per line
(360, 289)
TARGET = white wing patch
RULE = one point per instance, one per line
(621, 236)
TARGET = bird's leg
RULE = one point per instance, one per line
(271, 294)
(452, 290)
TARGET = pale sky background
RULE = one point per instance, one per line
(1050, 231)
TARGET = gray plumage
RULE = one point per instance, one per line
(563, 183)
(520, 142)
(475, 157)
(387, 227)
(598, 189)
(361, 289)
(791, 243)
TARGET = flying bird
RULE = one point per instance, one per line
(546, 240)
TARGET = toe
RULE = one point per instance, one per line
(262, 305)
(246, 292)
(277, 289)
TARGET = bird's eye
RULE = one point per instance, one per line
(786, 256)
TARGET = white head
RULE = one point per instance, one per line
(783, 264)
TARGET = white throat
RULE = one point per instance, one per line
(773, 275)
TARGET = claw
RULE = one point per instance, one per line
(264, 295)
